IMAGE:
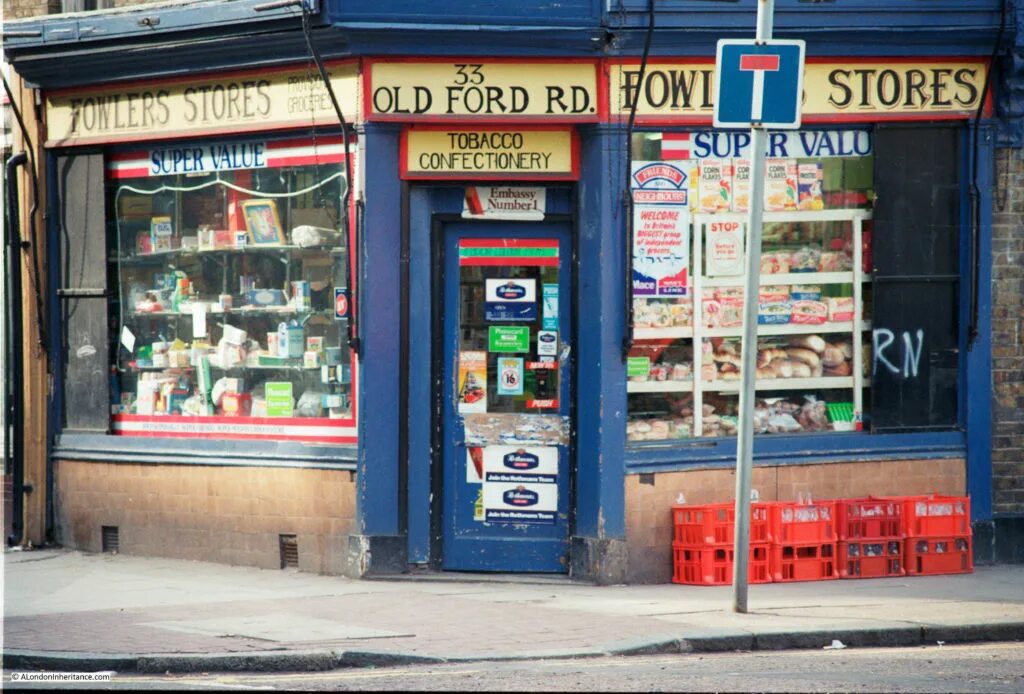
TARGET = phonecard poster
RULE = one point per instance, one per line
(472, 382)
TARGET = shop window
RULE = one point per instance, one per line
(691, 192)
(231, 271)
(832, 293)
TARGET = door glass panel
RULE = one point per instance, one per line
(508, 335)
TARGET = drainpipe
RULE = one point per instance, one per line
(14, 411)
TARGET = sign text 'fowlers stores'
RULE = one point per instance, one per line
(469, 89)
(222, 104)
(489, 154)
(833, 89)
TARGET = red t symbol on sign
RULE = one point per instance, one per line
(758, 64)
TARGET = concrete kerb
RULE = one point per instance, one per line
(320, 660)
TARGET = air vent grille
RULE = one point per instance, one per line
(289, 545)
(110, 539)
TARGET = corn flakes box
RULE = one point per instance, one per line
(714, 189)
(780, 185)
(740, 185)
(809, 187)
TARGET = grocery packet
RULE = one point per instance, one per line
(780, 185)
(714, 189)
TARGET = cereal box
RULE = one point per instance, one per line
(780, 185)
(714, 189)
(740, 185)
(809, 185)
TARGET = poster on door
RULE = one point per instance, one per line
(510, 300)
(510, 375)
(661, 249)
(725, 249)
(520, 484)
(472, 382)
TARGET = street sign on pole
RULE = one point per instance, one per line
(759, 85)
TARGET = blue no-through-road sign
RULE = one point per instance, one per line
(759, 83)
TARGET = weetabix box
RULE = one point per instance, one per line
(714, 189)
(740, 185)
(780, 185)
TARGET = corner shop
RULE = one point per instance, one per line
(613, 494)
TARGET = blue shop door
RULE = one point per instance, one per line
(506, 397)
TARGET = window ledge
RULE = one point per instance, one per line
(796, 450)
(226, 453)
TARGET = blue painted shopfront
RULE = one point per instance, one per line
(398, 483)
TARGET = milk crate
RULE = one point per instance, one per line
(713, 523)
(796, 523)
(712, 565)
(803, 562)
(937, 516)
(875, 558)
(930, 556)
(869, 518)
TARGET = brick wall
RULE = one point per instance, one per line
(221, 514)
(648, 506)
(1008, 334)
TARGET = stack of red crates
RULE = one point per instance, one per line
(803, 541)
(871, 534)
(938, 535)
(846, 538)
(703, 546)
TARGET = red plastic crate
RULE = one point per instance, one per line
(937, 516)
(874, 558)
(803, 562)
(870, 518)
(707, 524)
(794, 523)
(712, 565)
(929, 556)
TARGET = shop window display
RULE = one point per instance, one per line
(691, 194)
(232, 270)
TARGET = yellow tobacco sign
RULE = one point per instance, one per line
(489, 154)
(436, 90)
(264, 100)
(833, 89)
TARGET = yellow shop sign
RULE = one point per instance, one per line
(437, 90)
(264, 100)
(547, 154)
(833, 89)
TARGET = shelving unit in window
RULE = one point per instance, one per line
(803, 345)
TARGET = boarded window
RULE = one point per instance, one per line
(82, 292)
(916, 277)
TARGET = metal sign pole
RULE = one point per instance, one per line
(748, 370)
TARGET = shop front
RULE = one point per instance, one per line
(496, 328)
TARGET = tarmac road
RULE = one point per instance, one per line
(990, 667)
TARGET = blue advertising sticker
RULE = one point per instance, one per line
(550, 300)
